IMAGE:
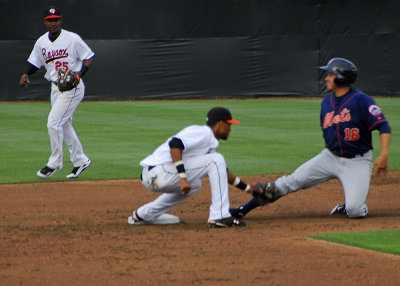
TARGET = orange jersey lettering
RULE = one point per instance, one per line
(330, 119)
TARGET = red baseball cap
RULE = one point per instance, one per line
(52, 12)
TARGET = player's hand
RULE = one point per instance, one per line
(185, 186)
(24, 81)
(381, 165)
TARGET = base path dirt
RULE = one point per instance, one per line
(76, 233)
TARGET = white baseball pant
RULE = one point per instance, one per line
(59, 125)
(164, 179)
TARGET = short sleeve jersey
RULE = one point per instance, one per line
(68, 52)
(347, 122)
(197, 140)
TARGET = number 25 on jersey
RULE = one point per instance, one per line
(61, 65)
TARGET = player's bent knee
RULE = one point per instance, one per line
(356, 211)
(218, 158)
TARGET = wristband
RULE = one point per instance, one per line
(182, 175)
(178, 163)
(180, 168)
(237, 181)
(241, 185)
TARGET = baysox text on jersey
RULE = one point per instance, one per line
(54, 54)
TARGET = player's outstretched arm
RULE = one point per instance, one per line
(237, 182)
(381, 162)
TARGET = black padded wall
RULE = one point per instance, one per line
(206, 48)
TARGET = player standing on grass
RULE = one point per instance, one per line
(57, 50)
(348, 118)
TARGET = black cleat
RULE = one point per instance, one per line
(339, 209)
(237, 212)
(226, 222)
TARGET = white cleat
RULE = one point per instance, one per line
(76, 171)
(46, 172)
(162, 219)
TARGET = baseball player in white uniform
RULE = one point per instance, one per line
(176, 167)
(60, 49)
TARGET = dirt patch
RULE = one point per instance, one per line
(76, 233)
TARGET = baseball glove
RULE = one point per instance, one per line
(264, 192)
(67, 80)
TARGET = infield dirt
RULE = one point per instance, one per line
(76, 233)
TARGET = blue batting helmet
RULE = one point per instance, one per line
(345, 71)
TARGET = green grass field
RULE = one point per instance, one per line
(387, 241)
(275, 136)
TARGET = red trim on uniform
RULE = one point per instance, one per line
(339, 141)
(350, 98)
(337, 125)
(375, 123)
(331, 100)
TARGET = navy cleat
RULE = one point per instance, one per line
(237, 213)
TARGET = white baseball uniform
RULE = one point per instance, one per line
(67, 52)
(200, 159)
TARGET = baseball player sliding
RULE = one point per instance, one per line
(348, 118)
(176, 167)
(66, 58)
